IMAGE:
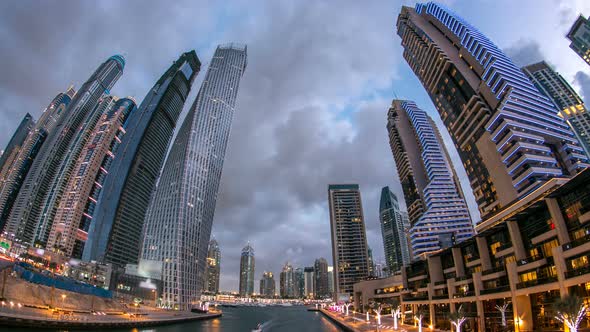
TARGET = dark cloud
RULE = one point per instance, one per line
(525, 52)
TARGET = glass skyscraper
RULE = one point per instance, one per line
(508, 134)
(30, 218)
(349, 238)
(571, 107)
(579, 35)
(11, 179)
(247, 268)
(393, 231)
(213, 268)
(321, 284)
(419, 150)
(287, 282)
(267, 285)
(183, 205)
(115, 232)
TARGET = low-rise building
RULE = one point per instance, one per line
(528, 255)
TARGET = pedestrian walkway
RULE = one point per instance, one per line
(357, 322)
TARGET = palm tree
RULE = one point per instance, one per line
(570, 311)
(503, 310)
(396, 311)
(458, 318)
(418, 317)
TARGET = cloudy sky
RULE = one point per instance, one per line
(312, 104)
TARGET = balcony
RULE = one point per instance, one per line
(464, 294)
(504, 246)
(440, 297)
(467, 277)
(499, 289)
(493, 270)
(529, 259)
(577, 272)
(440, 283)
(531, 283)
(576, 243)
(415, 297)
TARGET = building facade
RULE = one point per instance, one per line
(115, 233)
(11, 179)
(309, 282)
(183, 204)
(28, 217)
(507, 133)
(321, 285)
(579, 35)
(349, 239)
(287, 282)
(528, 255)
(429, 181)
(267, 285)
(16, 142)
(393, 232)
(247, 267)
(571, 107)
(213, 268)
(69, 230)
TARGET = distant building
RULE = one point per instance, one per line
(116, 229)
(393, 231)
(247, 271)
(309, 282)
(381, 270)
(267, 285)
(213, 268)
(579, 35)
(436, 207)
(321, 282)
(16, 142)
(299, 283)
(92, 273)
(347, 222)
(331, 280)
(287, 282)
(571, 107)
(371, 262)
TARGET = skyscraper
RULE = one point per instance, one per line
(579, 35)
(299, 282)
(267, 285)
(349, 239)
(183, 204)
(393, 231)
(568, 102)
(247, 266)
(507, 133)
(371, 267)
(429, 180)
(331, 280)
(30, 218)
(73, 217)
(115, 232)
(12, 180)
(16, 141)
(213, 268)
(309, 282)
(321, 288)
(287, 282)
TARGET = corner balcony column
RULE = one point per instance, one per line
(560, 269)
(516, 239)
(458, 260)
(478, 285)
(558, 221)
(484, 253)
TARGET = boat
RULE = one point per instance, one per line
(258, 328)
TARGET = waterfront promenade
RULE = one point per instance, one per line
(23, 316)
(356, 322)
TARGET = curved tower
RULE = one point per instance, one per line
(183, 204)
(247, 265)
(445, 218)
(114, 235)
(55, 158)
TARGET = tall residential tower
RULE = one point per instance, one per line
(349, 239)
(213, 268)
(115, 233)
(183, 204)
(393, 231)
(247, 267)
(428, 181)
(508, 134)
